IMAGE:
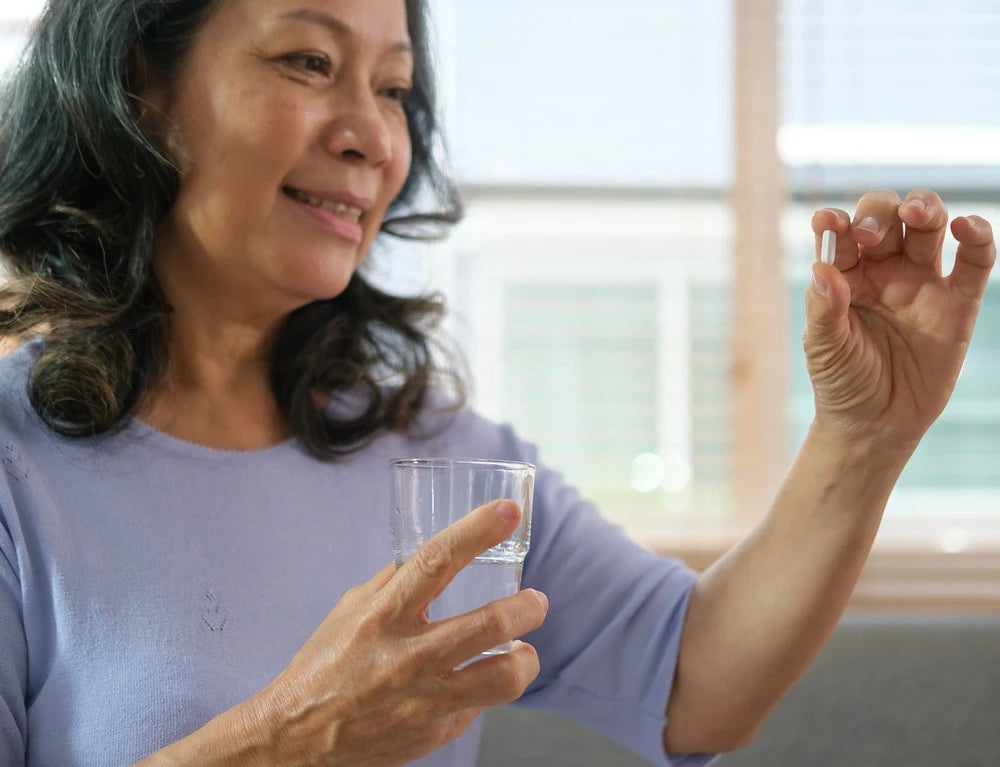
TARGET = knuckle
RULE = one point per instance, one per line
(542, 603)
(927, 195)
(877, 200)
(841, 218)
(434, 559)
(368, 622)
(368, 629)
(413, 711)
(420, 651)
(384, 605)
(836, 212)
(537, 618)
(511, 683)
(879, 197)
(495, 622)
(353, 596)
(533, 609)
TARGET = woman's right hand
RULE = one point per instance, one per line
(377, 684)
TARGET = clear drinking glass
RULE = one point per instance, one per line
(429, 494)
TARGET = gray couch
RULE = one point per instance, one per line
(888, 689)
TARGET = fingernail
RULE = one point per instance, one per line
(545, 599)
(506, 510)
(972, 221)
(868, 223)
(819, 284)
(917, 203)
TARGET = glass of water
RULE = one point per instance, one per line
(429, 494)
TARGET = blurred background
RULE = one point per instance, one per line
(628, 285)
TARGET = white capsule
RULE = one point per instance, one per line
(828, 247)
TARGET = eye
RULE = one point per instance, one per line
(398, 94)
(313, 63)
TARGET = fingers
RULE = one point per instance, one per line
(829, 296)
(877, 226)
(827, 302)
(839, 222)
(455, 640)
(925, 217)
(975, 256)
(381, 578)
(425, 575)
(496, 680)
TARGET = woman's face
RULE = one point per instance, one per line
(287, 124)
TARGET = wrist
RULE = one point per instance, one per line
(238, 737)
(252, 730)
(872, 445)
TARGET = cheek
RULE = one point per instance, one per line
(238, 127)
(405, 159)
(396, 174)
(238, 154)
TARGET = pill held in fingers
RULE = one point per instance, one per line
(828, 247)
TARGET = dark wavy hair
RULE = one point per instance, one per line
(82, 190)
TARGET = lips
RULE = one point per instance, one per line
(339, 213)
(350, 212)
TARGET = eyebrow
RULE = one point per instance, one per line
(337, 26)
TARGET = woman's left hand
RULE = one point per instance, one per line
(886, 332)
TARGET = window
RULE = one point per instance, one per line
(583, 228)
(15, 19)
(594, 93)
(601, 331)
(603, 287)
(592, 296)
(863, 108)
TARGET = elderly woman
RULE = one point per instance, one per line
(196, 423)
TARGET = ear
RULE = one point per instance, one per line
(146, 91)
(150, 96)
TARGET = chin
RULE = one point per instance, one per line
(314, 293)
(325, 278)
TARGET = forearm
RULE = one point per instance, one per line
(235, 738)
(760, 614)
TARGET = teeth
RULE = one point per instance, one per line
(337, 208)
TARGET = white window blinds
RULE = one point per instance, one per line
(632, 93)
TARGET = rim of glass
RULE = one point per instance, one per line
(463, 463)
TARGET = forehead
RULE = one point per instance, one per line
(376, 23)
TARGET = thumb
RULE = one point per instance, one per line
(828, 299)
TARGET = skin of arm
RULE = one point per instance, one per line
(238, 737)
(760, 614)
(885, 340)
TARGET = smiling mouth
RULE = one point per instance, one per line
(348, 212)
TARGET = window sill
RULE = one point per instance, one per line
(907, 569)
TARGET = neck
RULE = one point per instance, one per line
(216, 389)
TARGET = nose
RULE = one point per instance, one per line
(358, 131)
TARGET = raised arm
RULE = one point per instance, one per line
(885, 340)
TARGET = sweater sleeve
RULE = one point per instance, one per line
(608, 648)
(13, 657)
